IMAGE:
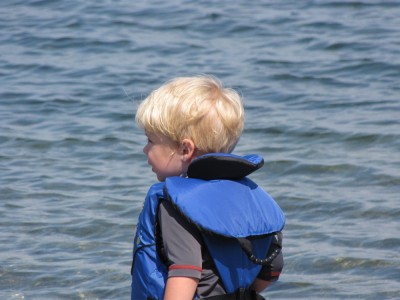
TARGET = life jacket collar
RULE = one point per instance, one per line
(224, 166)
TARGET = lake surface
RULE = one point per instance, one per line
(321, 87)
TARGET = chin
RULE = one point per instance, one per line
(161, 179)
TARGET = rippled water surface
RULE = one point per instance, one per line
(320, 82)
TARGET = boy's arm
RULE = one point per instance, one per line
(259, 285)
(180, 288)
(182, 249)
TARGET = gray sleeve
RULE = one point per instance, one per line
(182, 243)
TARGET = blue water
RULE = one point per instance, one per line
(321, 88)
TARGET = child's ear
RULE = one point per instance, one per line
(187, 149)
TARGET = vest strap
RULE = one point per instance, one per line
(240, 294)
(247, 247)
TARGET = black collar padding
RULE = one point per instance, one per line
(217, 166)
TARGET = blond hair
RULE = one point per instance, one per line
(198, 108)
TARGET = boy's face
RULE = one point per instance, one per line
(163, 156)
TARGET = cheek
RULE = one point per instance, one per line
(151, 153)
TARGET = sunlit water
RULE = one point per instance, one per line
(320, 82)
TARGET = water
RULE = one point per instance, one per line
(320, 81)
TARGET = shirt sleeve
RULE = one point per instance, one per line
(181, 241)
(273, 271)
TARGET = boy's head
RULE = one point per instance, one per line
(196, 108)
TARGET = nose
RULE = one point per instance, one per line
(146, 149)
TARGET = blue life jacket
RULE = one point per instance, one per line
(234, 215)
(149, 273)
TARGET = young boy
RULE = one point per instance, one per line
(205, 230)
